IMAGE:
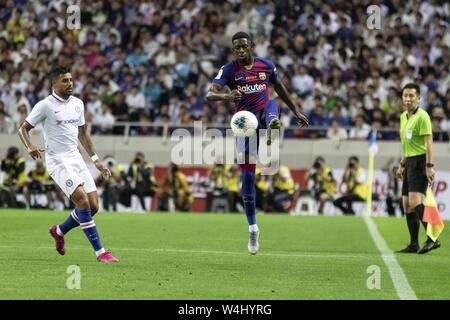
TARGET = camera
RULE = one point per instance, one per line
(352, 165)
(316, 165)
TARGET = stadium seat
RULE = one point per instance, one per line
(306, 205)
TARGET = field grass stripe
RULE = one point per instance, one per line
(401, 284)
(297, 254)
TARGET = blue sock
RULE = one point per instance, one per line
(249, 195)
(70, 223)
(271, 111)
(89, 228)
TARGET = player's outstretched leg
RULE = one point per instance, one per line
(88, 226)
(249, 199)
(272, 120)
(58, 231)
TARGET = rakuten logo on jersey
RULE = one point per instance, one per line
(252, 88)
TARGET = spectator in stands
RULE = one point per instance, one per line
(103, 122)
(360, 131)
(14, 179)
(176, 188)
(283, 188)
(6, 125)
(438, 134)
(346, 61)
(336, 132)
(354, 178)
(136, 103)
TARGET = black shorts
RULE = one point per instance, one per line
(414, 175)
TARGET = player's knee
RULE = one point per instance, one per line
(81, 200)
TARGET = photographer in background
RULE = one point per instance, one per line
(324, 184)
(114, 186)
(14, 179)
(176, 187)
(217, 184)
(355, 179)
(141, 178)
(283, 190)
(39, 182)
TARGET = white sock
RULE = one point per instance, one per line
(59, 232)
(253, 227)
(99, 252)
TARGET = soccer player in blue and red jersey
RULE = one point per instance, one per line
(248, 79)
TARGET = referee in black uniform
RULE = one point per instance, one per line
(416, 166)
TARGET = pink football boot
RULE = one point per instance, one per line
(106, 257)
(59, 241)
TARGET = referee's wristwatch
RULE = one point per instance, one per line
(430, 165)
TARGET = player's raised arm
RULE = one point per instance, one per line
(281, 90)
(87, 144)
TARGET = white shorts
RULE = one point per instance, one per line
(69, 172)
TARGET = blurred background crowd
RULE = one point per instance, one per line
(152, 61)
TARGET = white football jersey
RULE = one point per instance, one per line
(60, 120)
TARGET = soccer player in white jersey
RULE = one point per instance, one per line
(62, 118)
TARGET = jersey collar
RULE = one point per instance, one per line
(59, 98)
(415, 111)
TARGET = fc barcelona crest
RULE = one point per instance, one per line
(262, 75)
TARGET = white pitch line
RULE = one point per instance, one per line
(401, 284)
(164, 250)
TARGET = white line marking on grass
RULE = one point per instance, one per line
(401, 284)
(297, 254)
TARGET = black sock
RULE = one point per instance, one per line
(419, 210)
(413, 226)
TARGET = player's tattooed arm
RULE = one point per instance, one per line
(281, 90)
(216, 93)
(24, 134)
(87, 144)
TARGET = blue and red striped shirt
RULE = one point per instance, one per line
(252, 82)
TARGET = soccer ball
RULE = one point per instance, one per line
(244, 124)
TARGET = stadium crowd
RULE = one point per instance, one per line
(152, 61)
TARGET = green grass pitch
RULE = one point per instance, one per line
(204, 256)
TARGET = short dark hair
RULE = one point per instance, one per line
(242, 35)
(57, 71)
(354, 158)
(412, 86)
